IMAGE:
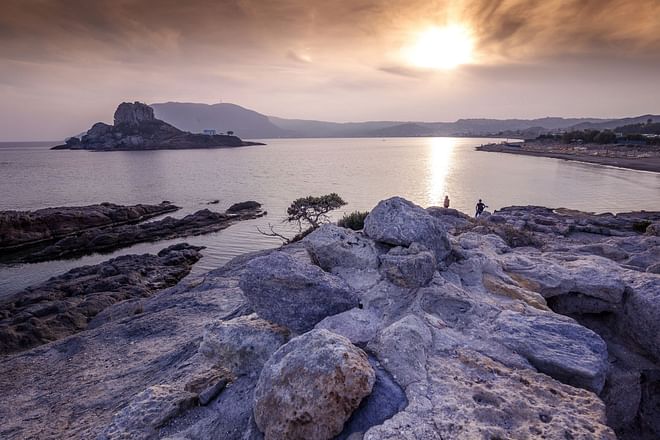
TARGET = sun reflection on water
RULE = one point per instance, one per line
(441, 151)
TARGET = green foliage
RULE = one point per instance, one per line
(648, 128)
(309, 213)
(313, 210)
(354, 220)
(589, 136)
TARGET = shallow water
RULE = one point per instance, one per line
(362, 171)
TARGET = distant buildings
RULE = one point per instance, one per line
(209, 131)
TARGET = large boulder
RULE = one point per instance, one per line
(399, 222)
(292, 293)
(641, 312)
(243, 344)
(331, 246)
(311, 386)
(408, 267)
(557, 346)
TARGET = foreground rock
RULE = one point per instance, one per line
(105, 239)
(21, 229)
(311, 386)
(66, 304)
(136, 128)
(294, 294)
(476, 351)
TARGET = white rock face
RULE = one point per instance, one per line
(333, 247)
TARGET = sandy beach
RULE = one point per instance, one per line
(643, 163)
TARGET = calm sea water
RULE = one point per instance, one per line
(362, 171)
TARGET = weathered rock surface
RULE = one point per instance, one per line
(243, 344)
(104, 239)
(562, 349)
(476, 352)
(66, 304)
(311, 386)
(20, 229)
(398, 222)
(147, 412)
(408, 267)
(333, 247)
(292, 293)
(136, 128)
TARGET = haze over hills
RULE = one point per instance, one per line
(195, 117)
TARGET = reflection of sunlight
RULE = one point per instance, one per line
(439, 162)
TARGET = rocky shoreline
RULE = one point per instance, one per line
(528, 323)
(56, 233)
(615, 156)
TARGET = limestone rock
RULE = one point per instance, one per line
(311, 386)
(641, 313)
(333, 247)
(469, 396)
(294, 294)
(243, 344)
(147, 412)
(408, 267)
(399, 222)
(556, 346)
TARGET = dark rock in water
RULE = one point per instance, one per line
(136, 128)
(311, 386)
(104, 239)
(64, 305)
(292, 293)
(21, 229)
(242, 206)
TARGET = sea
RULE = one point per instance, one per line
(362, 171)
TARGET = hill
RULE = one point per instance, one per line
(222, 117)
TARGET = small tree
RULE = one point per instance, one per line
(230, 133)
(308, 213)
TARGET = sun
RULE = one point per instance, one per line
(441, 48)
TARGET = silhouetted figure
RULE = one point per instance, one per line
(446, 203)
(480, 208)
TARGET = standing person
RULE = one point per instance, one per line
(446, 203)
(480, 208)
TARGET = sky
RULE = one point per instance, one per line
(65, 64)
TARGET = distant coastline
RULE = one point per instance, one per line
(610, 155)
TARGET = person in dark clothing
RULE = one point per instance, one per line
(480, 208)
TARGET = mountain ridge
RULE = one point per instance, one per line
(248, 123)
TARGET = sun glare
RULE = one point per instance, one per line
(442, 48)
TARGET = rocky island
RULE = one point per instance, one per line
(136, 128)
(528, 323)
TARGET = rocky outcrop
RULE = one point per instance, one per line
(119, 235)
(136, 128)
(292, 293)
(66, 304)
(398, 222)
(310, 387)
(476, 351)
(22, 229)
(244, 344)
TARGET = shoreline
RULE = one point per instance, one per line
(649, 164)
